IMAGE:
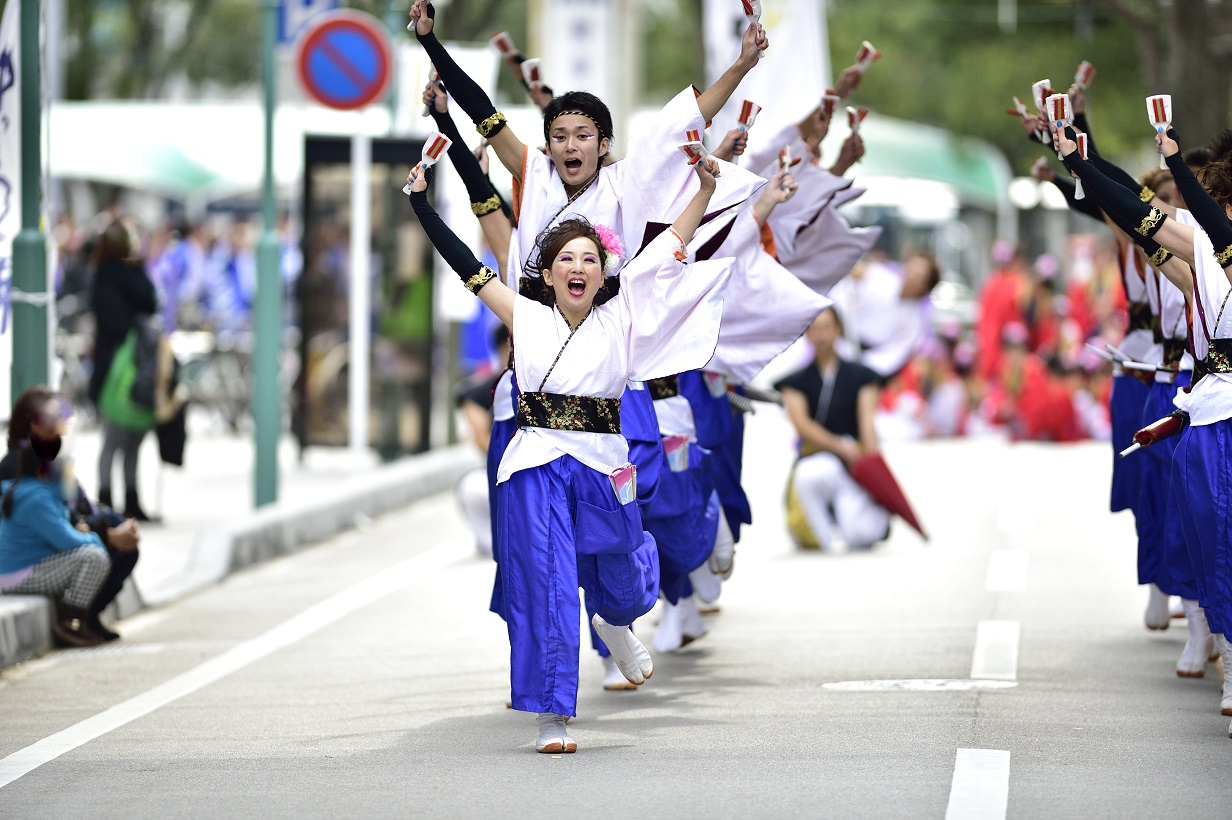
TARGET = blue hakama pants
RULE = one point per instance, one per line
(684, 522)
(1204, 495)
(1125, 411)
(561, 527)
(1154, 491)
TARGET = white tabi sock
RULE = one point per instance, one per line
(553, 739)
(693, 624)
(1157, 615)
(1197, 652)
(1225, 651)
(724, 552)
(613, 679)
(670, 635)
(706, 584)
(632, 658)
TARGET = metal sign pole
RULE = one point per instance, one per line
(361, 290)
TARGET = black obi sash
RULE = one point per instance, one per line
(1218, 358)
(577, 414)
(1140, 316)
(1174, 351)
(664, 388)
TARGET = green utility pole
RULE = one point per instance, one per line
(267, 315)
(396, 18)
(29, 291)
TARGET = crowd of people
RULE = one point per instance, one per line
(584, 488)
(638, 300)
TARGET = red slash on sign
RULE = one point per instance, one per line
(344, 59)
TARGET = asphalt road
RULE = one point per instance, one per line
(365, 678)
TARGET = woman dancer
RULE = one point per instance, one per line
(567, 492)
(1201, 470)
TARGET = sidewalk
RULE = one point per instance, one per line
(210, 528)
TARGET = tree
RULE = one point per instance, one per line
(953, 64)
(1186, 51)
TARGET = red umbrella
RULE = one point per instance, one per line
(873, 474)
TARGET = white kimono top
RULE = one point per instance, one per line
(1210, 400)
(812, 239)
(1138, 345)
(653, 183)
(1168, 303)
(885, 328)
(766, 307)
(665, 320)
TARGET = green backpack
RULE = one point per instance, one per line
(115, 402)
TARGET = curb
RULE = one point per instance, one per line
(279, 529)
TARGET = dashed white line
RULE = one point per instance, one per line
(1007, 571)
(996, 650)
(980, 789)
(311, 620)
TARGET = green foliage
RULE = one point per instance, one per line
(672, 52)
(948, 63)
(227, 49)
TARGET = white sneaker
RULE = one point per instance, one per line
(669, 636)
(706, 584)
(1156, 615)
(1197, 652)
(631, 657)
(613, 679)
(1175, 609)
(553, 739)
(693, 626)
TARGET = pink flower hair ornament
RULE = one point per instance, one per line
(611, 247)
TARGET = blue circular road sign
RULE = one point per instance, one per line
(344, 59)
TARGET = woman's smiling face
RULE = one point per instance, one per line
(575, 277)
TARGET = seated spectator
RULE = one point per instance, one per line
(50, 532)
(832, 403)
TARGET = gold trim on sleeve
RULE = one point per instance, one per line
(491, 125)
(486, 207)
(1150, 222)
(480, 279)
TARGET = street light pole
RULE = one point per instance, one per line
(267, 316)
(29, 292)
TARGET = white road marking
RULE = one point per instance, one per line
(1007, 571)
(306, 623)
(980, 789)
(1013, 518)
(996, 650)
(919, 685)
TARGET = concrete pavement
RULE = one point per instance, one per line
(366, 678)
(209, 527)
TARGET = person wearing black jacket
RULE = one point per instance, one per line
(122, 299)
(32, 424)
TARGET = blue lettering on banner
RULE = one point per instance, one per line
(6, 285)
(293, 15)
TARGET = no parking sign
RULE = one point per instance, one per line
(344, 59)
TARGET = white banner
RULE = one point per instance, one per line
(10, 186)
(791, 77)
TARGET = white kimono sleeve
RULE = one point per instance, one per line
(765, 308)
(827, 249)
(659, 182)
(672, 309)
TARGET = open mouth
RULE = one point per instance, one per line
(577, 286)
(573, 166)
